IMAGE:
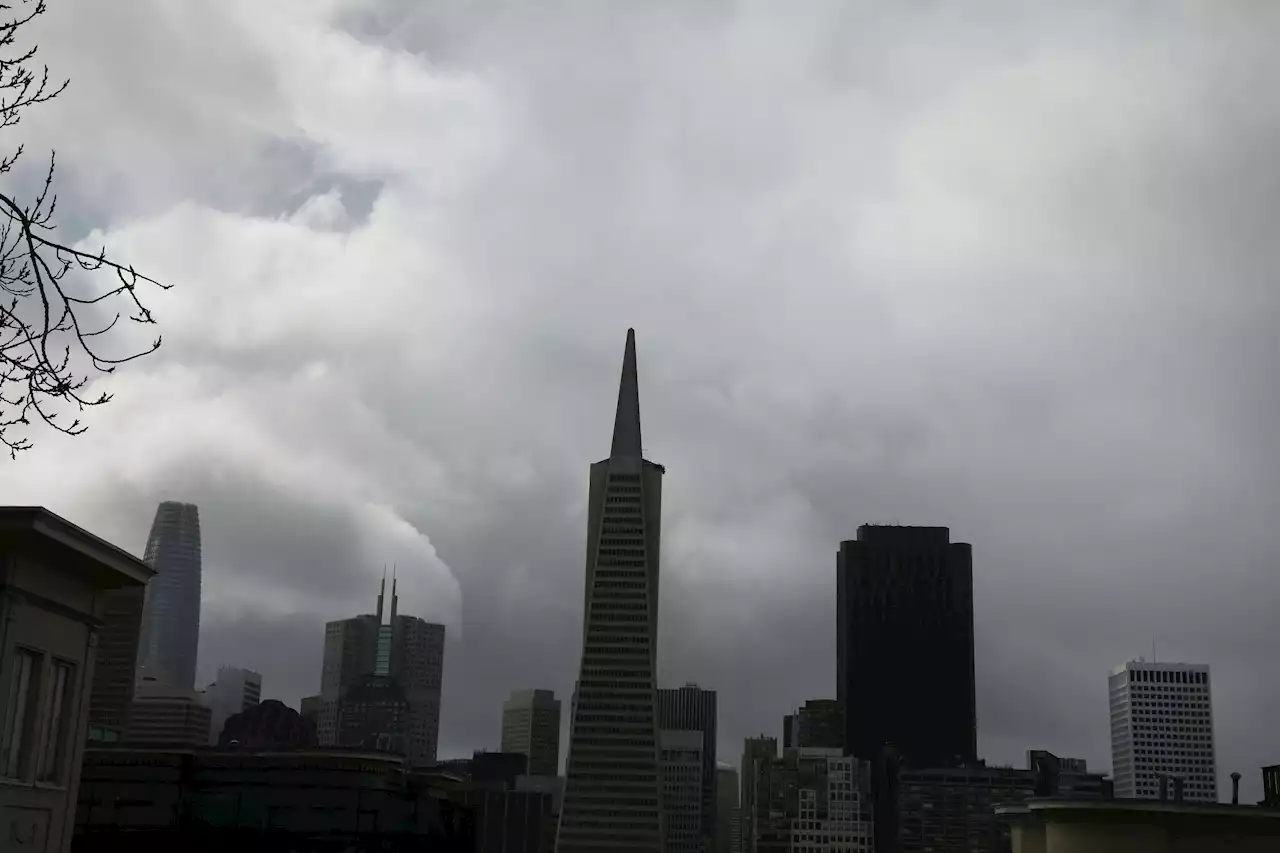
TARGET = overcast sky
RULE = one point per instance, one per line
(1003, 266)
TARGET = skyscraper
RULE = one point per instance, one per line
(394, 660)
(904, 625)
(1162, 725)
(690, 708)
(531, 726)
(171, 615)
(819, 724)
(726, 840)
(613, 790)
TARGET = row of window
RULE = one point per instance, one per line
(1150, 676)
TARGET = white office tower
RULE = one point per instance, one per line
(234, 691)
(1162, 725)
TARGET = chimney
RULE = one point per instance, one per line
(1164, 787)
(1177, 789)
(1235, 789)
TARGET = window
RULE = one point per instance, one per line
(54, 751)
(24, 688)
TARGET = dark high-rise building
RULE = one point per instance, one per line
(904, 598)
(613, 790)
(690, 708)
(115, 668)
(819, 724)
(390, 672)
(171, 616)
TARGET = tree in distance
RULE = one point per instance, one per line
(52, 325)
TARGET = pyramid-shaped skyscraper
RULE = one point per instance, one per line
(613, 787)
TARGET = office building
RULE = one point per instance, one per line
(612, 787)
(819, 724)
(170, 636)
(115, 669)
(233, 691)
(387, 662)
(690, 708)
(531, 725)
(727, 793)
(1162, 726)
(761, 778)
(810, 799)
(54, 582)
(168, 716)
(681, 761)
(904, 599)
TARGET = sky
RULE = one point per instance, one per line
(999, 266)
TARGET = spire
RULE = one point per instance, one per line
(626, 424)
(382, 589)
(395, 599)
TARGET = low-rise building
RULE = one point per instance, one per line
(197, 799)
(53, 577)
(168, 716)
(1140, 826)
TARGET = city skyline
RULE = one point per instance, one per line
(977, 271)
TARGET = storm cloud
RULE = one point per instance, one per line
(1000, 266)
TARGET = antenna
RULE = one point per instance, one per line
(1153, 649)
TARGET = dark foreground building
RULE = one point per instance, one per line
(904, 598)
(144, 800)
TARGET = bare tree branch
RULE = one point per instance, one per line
(47, 354)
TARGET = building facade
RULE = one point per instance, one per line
(613, 789)
(690, 708)
(168, 716)
(402, 649)
(531, 725)
(681, 761)
(53, 577)
(818, 724)
(813, 800)
(115, 670)
(1162, 726)
(233, 691)
(153, 800)
(727, 793)
(904, 599)
(170, 636)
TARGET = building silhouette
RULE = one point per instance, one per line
(1162, 726)
(170, 635)
(388, 675)
(727, 794)
(613, 789)
(115, 670)
(531, 725)
(818, 724)
(266, 725)
(681, 759)
(168, 716)
(690, 708)
(905, 677)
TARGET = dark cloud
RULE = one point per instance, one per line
(1001, 269)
